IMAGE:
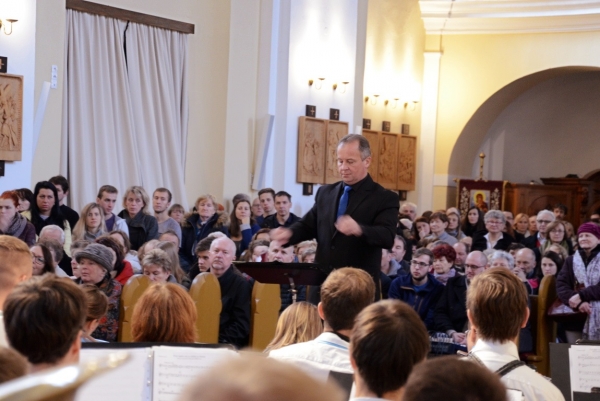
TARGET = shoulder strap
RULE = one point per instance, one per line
(509, 367)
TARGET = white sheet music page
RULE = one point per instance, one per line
(128, 382)
(584, 361)
(176, 367)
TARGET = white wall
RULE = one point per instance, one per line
(19, 47)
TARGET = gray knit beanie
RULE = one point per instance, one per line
(97, 253)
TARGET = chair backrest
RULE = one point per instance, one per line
(132, 291)
(546, 328)
(264, 313)
(206, 293)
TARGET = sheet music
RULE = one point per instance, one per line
(584, 361)
(176, 367)
(129, 382)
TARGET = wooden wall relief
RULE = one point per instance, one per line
(407, 163)
(311, 150)
(388, 160)
(336, 130)
(11, 117)
(373, 138)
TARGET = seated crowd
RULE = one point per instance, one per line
(439, 280)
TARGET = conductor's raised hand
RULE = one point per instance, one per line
(348, 226)
(281, 235)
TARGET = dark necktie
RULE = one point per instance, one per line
(343, 201)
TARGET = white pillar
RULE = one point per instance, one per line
(426, 157)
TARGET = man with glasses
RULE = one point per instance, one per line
(450, 315)
(419, 289)
(492, 237)
(544, 218)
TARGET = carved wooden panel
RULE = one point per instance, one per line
(311, 150)
(336, 130)
(407, 163)
(373, 138)
(11, 117)
(388, 160)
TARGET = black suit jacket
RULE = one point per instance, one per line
(530, 242)
(480, 243)
(371, 205)
(451, 310)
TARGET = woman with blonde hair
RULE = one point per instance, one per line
(521, 225)
(300, 322)
(91, 223)
(164, 313)
(142, 226)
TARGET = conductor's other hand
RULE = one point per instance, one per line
(281, 235)
(348, 226)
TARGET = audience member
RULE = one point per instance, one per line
(543, 219)
(443, 263)
(62, 190)
(421, 228)
(142, 226)
(308, 255)
(532, 225)
(15, 267)
(472, 222)
(283, 217)
(97, 306)
(130, 256)
(420, 289)
(242, 226)
(253, 378)
(161, 200)
(25, 199)
(56, 252)
(263, 233)
(450, 314)
(399, 251)
(202, 223)
(300, 247)
(449, 378)
(557, 234)
(165, 313)
(157, 266)
(12, 222)
(297, 324)
(344, 294)
(560, 211)
(521, 227)
(577, 283)
(171, 236)
(525, 269)
(203, 257)
(42, 260)
(43, 319)
(56, 233)
(409, 209)
(107, 199)
(257, 211)
(497, 310)
(76, 246)
(177, 213)
(122, 269)
(266, 196)
(552, 262)
(514, 248)
(492, 236)
(234, 325)
(390, 333)
(258, 251)
(172, 252)
(453, 228)
(438, 223)
(96, 264)
(12, 365)
(91, 225)
(462, 249)
(278, 253)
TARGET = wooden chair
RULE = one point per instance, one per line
(132, 291)
(264, 313)
(206, 293)
(543, 328)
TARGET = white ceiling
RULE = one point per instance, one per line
(509, 16)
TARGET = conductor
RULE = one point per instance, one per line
(351, 220)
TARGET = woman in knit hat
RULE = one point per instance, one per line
(578, 283)
(96, 263)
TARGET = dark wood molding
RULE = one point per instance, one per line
(133, 16)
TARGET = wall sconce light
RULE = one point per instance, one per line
(411, 105)
(343, 90)
(318, 84)
(3, 24)
(373, 99)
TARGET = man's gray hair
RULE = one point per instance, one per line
(495, 214)
(363, 144)
(503, 255)
(53, 228)
(413, 205)
(550, 214)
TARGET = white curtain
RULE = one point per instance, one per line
(124, 115)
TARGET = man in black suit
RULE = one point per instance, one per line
(544, 217)
(353, 219)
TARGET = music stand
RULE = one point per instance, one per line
(284, 273)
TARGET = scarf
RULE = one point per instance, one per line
(17, 226)
(589, 276)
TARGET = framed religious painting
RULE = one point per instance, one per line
(485, 195)
(373, 138)
(336, 130)
(407, 163)
(388, 160)
(310, 167)
(11, 117)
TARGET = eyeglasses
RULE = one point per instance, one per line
(494, 222)
(420, 264)
(544, 221)
(557, 231)
(473, 267)
(39, 260)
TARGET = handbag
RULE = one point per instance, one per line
(562, 313)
